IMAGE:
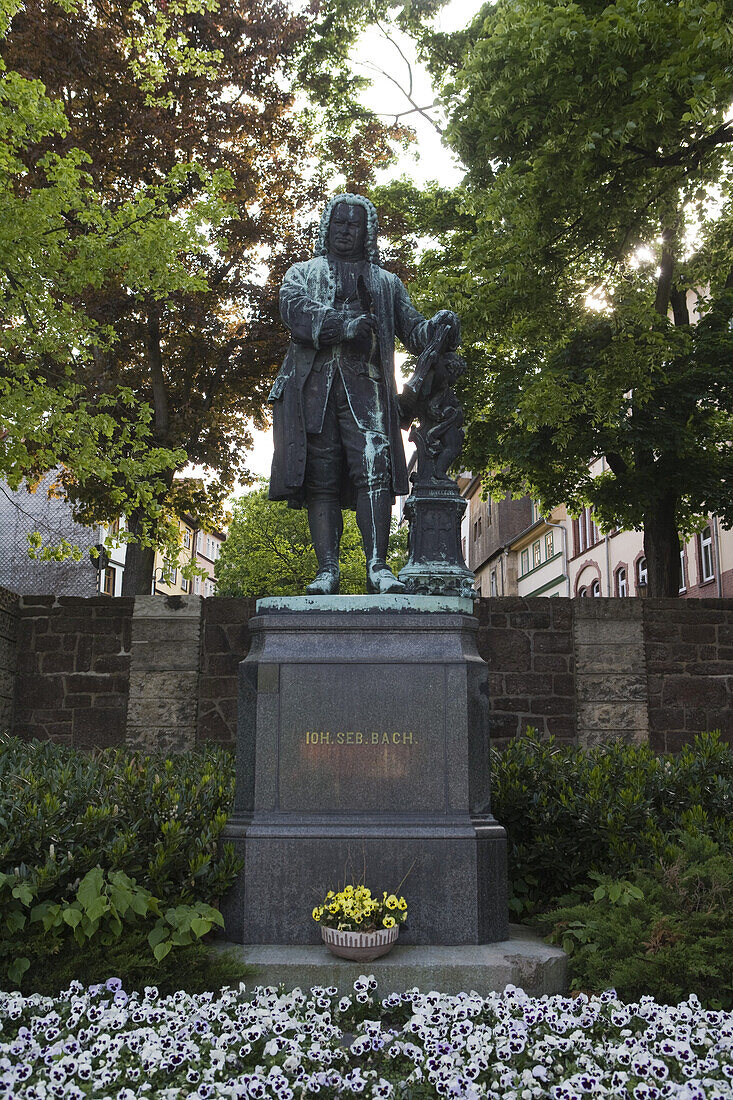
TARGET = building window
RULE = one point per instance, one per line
(596, 588)
(493, 582)
(209, 588)
(683, 579)
(641, 576)
(184, 584)
(525, 562)
(549, 544)
(488, 512)
(535, 511)
(187, 537)
(200, 542)
(197, 585)
(172, 577)
(109, 581)
(536, 553)
(583, 591)
(592, 530)
(706, 555)
(585, 532)
(114, 527)
(620, 582)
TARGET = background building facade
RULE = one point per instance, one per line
(514, 551)
(23, 513)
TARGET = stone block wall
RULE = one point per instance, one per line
(73, 669)
(8, 655)
(689, 668)
(225, 642)
(164, 673)
(161, 672)
(610, 670)
(528, 646)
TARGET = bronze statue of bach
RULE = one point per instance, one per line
(336, 416)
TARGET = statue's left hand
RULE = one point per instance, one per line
(448, 317)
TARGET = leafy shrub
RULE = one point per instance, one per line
(193, 969)
(665, 931)
(100, 911)
(152, 827)
(63, 812)
(570, 812)
(93, 847)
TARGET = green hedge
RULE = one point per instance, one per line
(63, 812)
(665, 930)
(117, 850)
(569, 812)
(106, 850)
(632, 854)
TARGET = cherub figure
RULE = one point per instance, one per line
(429, 396)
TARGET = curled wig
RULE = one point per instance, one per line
(371, 248)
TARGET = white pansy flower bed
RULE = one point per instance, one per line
(269, 1045)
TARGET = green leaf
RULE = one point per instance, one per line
(72, 916)
(200, 927)
(90, 887)
(24, 893)
(96, 907)
(17, 969)
(162, 949)
(158, 934)
(15, 921)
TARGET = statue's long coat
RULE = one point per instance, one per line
(306, 296)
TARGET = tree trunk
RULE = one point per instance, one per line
(662, 548)
(137, 576)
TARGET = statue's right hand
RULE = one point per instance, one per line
(361, 328)
(332, 330)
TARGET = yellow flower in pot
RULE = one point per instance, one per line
(357, 926)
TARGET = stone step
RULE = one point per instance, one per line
(523, 960)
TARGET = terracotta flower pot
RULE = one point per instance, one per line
(360, 946)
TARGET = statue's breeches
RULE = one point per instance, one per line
(366, 450)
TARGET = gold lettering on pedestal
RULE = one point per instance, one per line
(357, 737)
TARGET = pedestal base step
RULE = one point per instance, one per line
(523, 960)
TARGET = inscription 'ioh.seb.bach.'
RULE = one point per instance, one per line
(357, 737)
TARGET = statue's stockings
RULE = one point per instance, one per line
(373, 514)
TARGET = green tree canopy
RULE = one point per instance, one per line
(268, 551)
(59, 242)
(155, 187)
(597, 199)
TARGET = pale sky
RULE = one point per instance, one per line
(428, 159)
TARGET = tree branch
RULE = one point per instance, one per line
(157, 377)
(664, 286)
(406, 92)
(721, 136)
(412, 111)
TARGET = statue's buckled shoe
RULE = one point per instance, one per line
(325, 583)
(381, 581)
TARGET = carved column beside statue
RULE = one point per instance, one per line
(435, 508)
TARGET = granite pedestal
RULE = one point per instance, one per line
(363, 754)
